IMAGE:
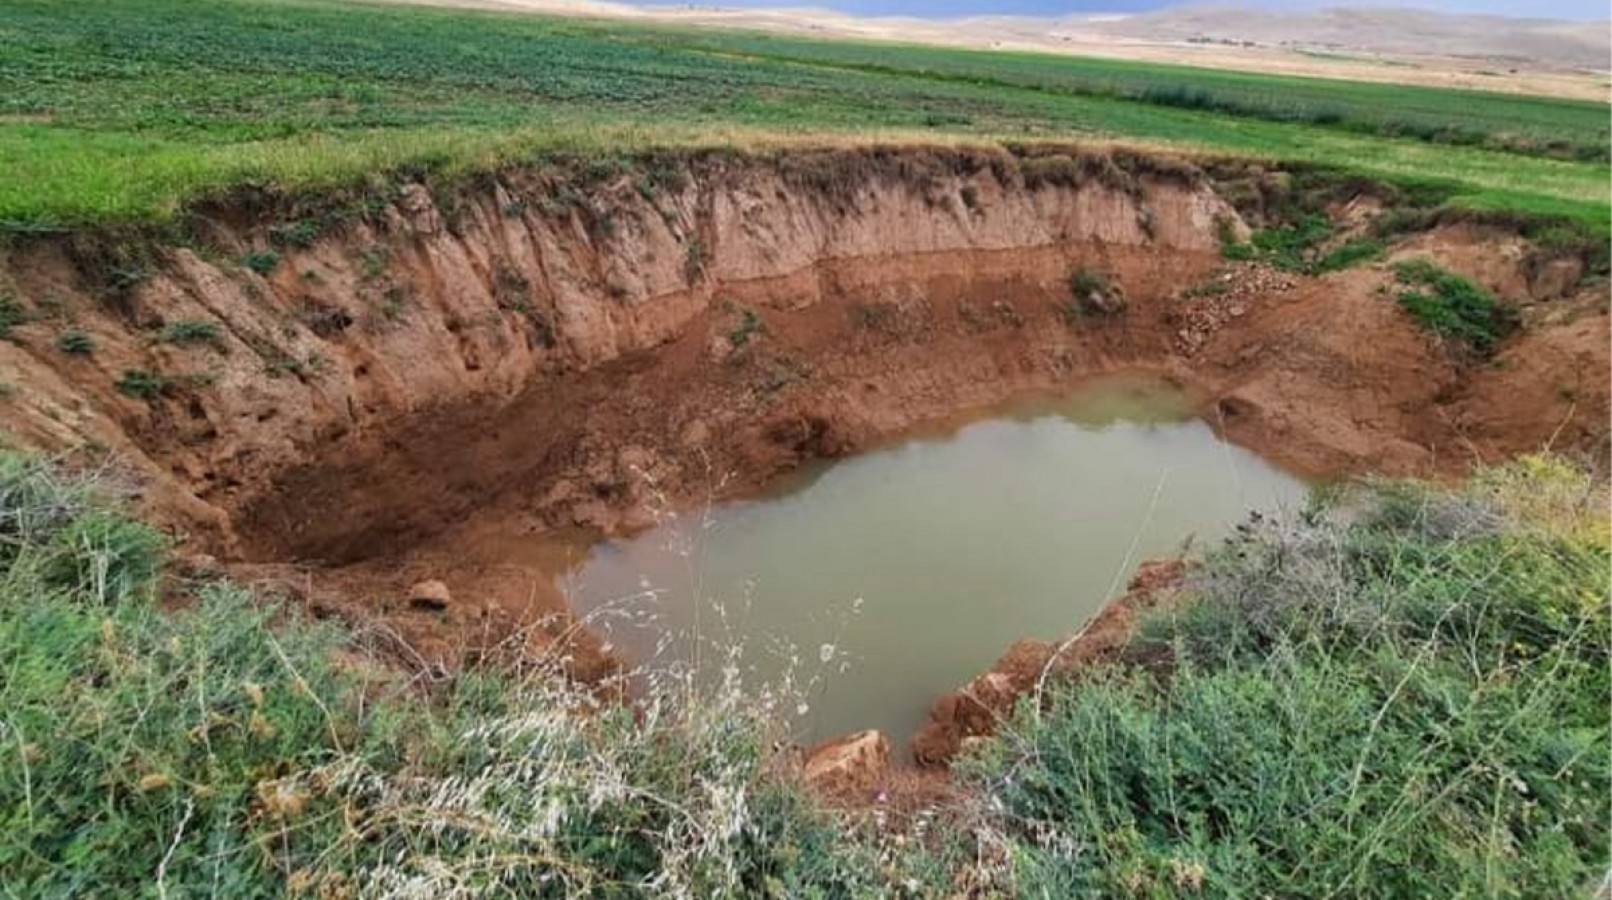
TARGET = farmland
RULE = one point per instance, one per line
(123, 112)
(1537, 125)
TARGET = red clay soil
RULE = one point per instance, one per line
(449, 384)
(975, 710)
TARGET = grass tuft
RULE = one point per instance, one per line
(1453, 307)
(75, 342)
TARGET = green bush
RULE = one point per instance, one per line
(140, 383)
(263, 262)
(75, 342)
(1407, 698)
(1453, 307)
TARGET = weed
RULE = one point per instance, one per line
(1453, 307)
(372, 261)
(394, 303)
(75, 342)
(263, 261)
(1350, 253)
(1092, 292)
(750, 325)
(302, 234)
(192, 331)
(141, 384)
(693, 259)
(1292, 246)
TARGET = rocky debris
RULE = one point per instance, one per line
(960, 719)
(851, 764)
(1203, 309)
(429, 595)
(1555, 278)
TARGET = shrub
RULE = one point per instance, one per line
(76, 342)
(1453, 307)
(1092, 292)
(263, 262)
(140, 383)
(300, 233)
(749, 326)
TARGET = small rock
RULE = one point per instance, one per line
(432, 595)
(851, 763)
(1555, 278)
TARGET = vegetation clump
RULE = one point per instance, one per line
(1302, 245)
(1400, 692)
(141, 384)
(263, 262)
(192, 331)
(76, 342)
(1453, 307)
(1092, 292)
(748, 327)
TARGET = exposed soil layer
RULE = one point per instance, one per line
(356, 403)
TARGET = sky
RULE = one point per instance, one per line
(1554, 9)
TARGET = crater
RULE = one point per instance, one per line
(709, 349)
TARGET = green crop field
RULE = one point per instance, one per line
(1539, 125)
(123, 110)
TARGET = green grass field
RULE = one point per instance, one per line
(123, 111)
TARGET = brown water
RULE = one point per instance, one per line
(883, 580)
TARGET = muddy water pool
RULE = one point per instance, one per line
(885, 579)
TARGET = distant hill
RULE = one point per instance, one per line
(1372, 29)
